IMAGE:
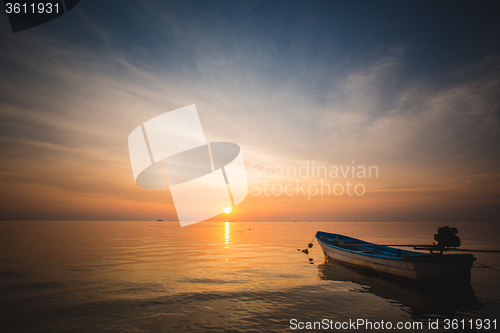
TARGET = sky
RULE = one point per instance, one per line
(409, 87)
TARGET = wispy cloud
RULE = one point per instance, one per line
(67, 107)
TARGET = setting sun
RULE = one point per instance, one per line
(227, 210)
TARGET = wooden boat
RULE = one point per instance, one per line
(413, 266)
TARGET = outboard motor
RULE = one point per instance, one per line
(447, 237)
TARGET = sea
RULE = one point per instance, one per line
(154, 276)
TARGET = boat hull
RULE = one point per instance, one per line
(400, 264)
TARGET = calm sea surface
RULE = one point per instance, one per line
(91, 276)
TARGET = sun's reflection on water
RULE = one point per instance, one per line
(226, 235)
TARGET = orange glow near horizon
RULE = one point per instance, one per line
(86, 197)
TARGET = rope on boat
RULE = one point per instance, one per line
(306, 251)
(486, 266)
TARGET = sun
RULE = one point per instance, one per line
(227, 210)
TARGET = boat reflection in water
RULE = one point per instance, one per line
(419, 301)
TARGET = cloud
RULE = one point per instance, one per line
(67, 107)
(420, 119)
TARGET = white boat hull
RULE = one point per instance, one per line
(418, 268)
